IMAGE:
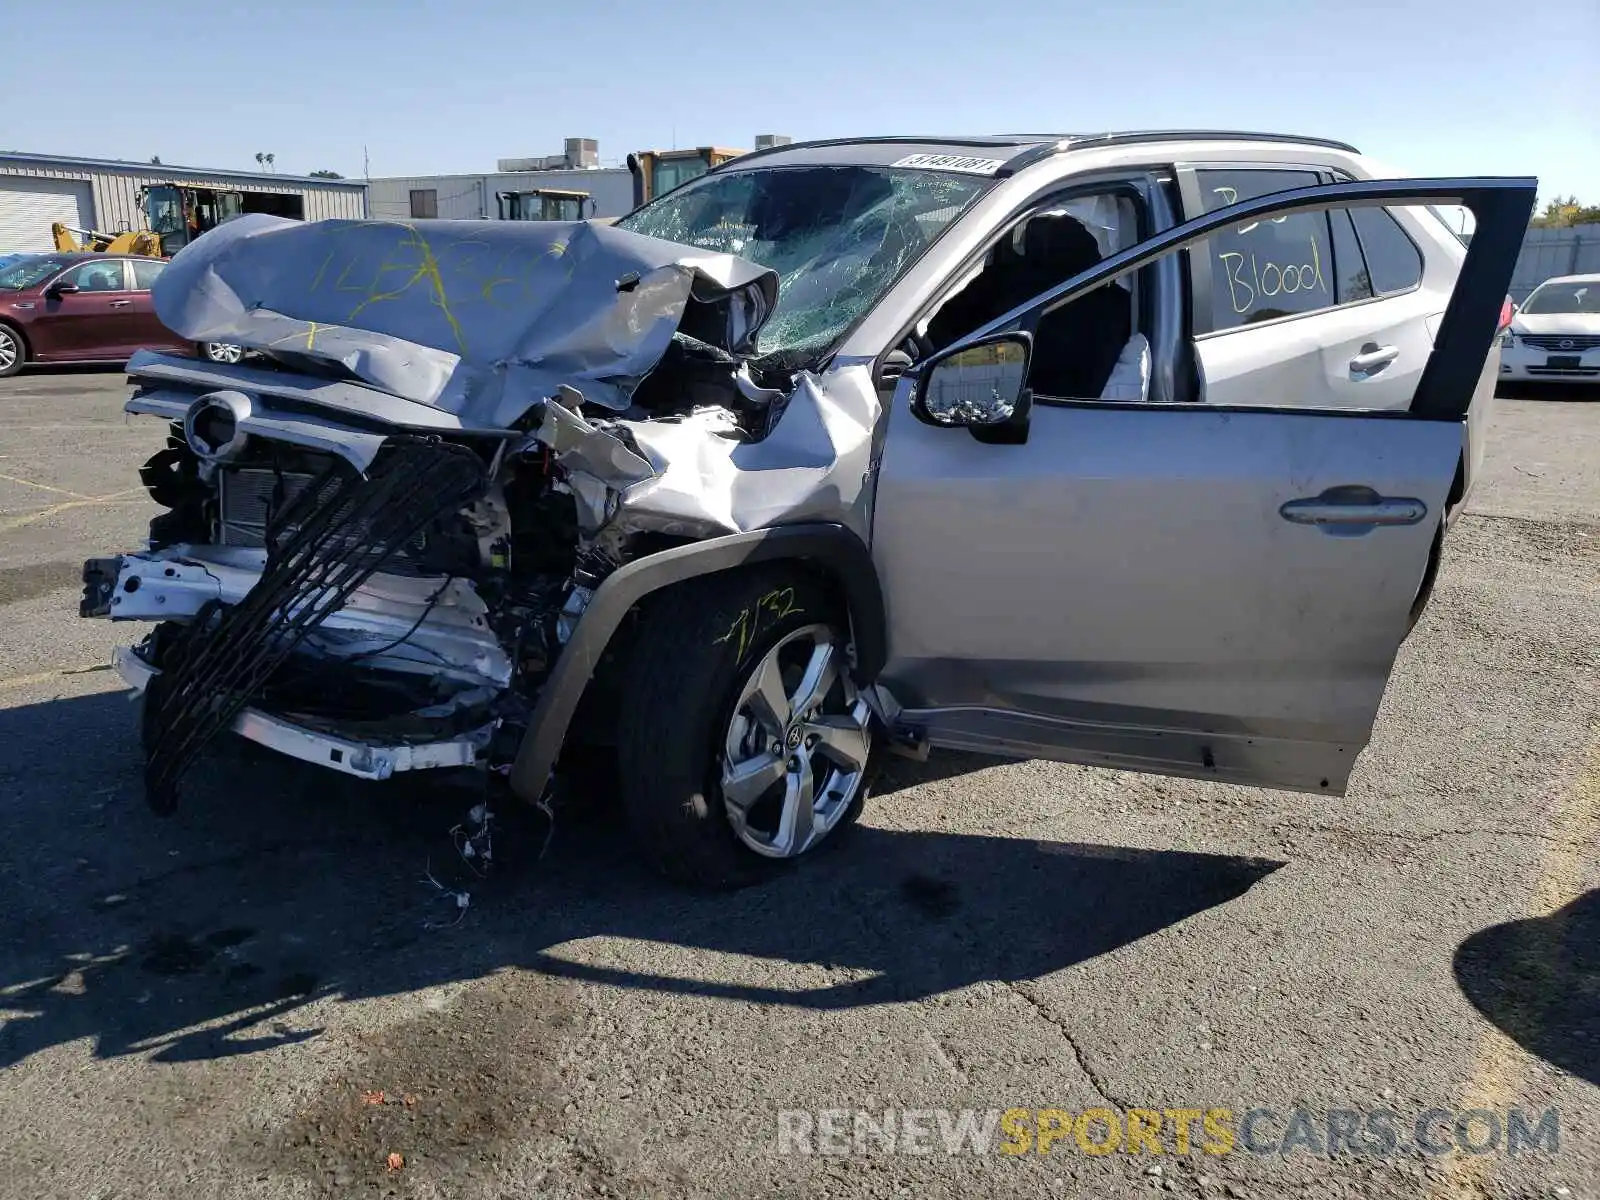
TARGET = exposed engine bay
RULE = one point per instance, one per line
(372, 548)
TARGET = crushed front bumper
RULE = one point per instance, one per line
(398, 622)
(365, 760)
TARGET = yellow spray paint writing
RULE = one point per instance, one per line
(774, 606)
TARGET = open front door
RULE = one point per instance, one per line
(1186, 589)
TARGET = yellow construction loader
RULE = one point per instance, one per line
(176, 214)
(67, 241)
(658, 171)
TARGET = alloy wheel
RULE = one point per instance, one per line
(795, 754)
(10, 350)
(224, 352)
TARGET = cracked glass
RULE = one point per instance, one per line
(837, 237)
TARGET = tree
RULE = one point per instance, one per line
(325, 174)
(1560, 212)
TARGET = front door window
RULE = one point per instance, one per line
(1078, 349)
(97, 277)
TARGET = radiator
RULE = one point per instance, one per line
(248, 497)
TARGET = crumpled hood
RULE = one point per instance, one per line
(479, 318)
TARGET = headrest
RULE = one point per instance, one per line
(1064, 242)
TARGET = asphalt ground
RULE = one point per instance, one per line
(208, 1005)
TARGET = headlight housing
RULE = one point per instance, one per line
(1508, 339)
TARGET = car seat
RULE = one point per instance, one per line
(1130, 376)
(1075, 347)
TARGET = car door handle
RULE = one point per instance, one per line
(121, 303)
(1373, 358)
(1351, 510)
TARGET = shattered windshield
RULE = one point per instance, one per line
(836, 236)
(27, 272)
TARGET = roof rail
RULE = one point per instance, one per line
(1094, 141)
(980, 141)
(1200, 135)
(1038, 147)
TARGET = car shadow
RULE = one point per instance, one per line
(1538, 980)
(1572, 392)
(204, 935)
(96, 367)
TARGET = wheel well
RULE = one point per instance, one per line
(594, 722)
(12, 327)
(830, 546)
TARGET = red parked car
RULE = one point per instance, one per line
(85, 308)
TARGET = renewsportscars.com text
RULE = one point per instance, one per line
(1260, 1131)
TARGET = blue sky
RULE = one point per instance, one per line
(1470, 87)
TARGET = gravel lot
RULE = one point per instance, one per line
(196, 1007)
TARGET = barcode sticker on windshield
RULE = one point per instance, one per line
(951, 162)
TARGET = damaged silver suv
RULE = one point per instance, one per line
(1135, 450)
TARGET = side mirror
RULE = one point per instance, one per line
(978, 386)
(61, 289)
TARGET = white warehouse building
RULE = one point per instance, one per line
(569, 186)
(38, 190)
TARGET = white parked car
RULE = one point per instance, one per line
(1555, 337)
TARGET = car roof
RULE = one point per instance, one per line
(74, 257)
(1570, 279)
(56, 255)
(1014, 151)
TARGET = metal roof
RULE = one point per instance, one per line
(148, 168)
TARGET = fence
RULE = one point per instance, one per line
(1547, 252)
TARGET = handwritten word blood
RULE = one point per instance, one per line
(1251, 278)
(1264, 278)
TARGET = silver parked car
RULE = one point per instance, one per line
(1133, 449)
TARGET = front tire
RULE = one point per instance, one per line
(743, 744)
(13, 351)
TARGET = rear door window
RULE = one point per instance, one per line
(1349, 265)
(1263, 270)
(1394, 264)
(145, 273)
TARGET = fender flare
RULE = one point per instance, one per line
(833, 547)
